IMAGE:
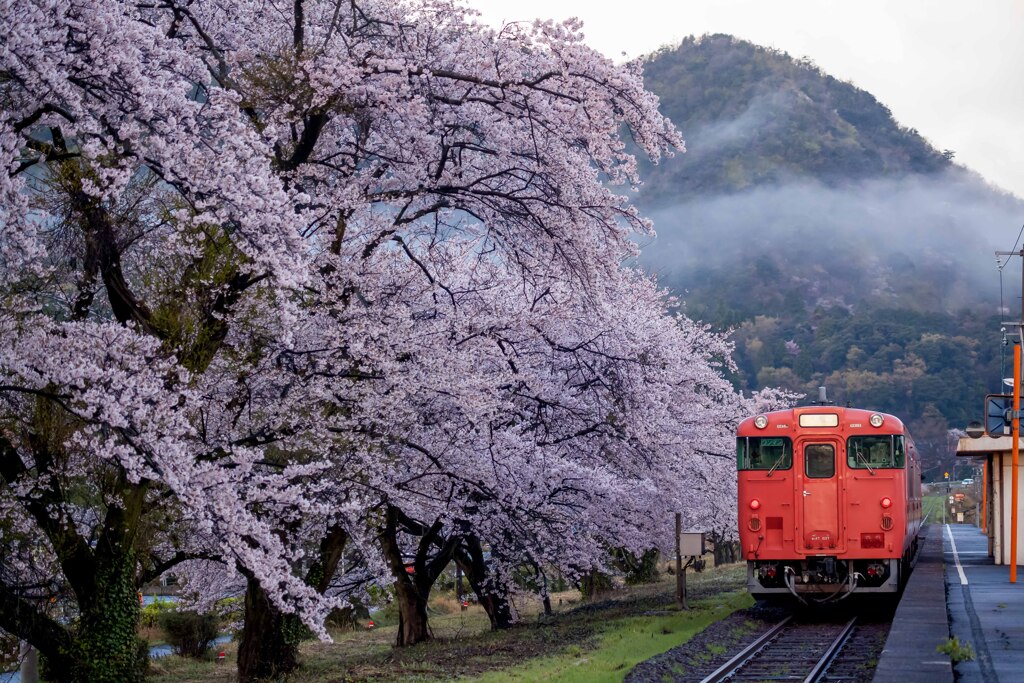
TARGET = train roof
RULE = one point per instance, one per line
(847, 418)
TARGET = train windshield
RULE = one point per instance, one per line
(762, 453)
(884, 451)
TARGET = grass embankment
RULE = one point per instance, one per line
(936, 502)
(598, 641)
(931, 507)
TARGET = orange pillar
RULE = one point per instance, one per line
(1016, 458)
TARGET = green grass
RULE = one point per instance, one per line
(597, 641)
(623, 643)
(931, 507)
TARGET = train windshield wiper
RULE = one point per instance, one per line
(776, 465)
(861, 459)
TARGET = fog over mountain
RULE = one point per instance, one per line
(840, 246)
(924, 242)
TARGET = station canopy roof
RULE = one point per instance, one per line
(985, 445)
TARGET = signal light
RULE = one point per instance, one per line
(887, 502)
(755, 504)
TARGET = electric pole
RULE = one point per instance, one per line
(1015, 431)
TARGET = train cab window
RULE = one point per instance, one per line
(882, 451)
(763, 453)
(819, 460)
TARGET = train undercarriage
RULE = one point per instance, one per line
(825, 578)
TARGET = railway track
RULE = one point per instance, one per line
(790, 651)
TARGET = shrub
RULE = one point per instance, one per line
(353, 616)
(594, 583)
(230, 612)
(150, 616)
(189, 634)
(639, 570)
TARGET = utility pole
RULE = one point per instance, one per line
(1015, 431)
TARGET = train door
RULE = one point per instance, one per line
(821, 523)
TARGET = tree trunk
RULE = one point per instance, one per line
(471, 557)
(105, 647)
(270, 639)
(721, 552)
(412, 615)
(546, 595)
(412, 604)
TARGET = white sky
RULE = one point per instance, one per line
(952, 69)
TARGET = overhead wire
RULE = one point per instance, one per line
(1002, 309)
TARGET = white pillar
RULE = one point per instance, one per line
(29, 657)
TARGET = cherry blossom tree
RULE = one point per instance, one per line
(138, 216)
(290, 281)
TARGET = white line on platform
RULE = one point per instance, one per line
(956, 557)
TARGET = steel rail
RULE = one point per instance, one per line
(726, 670)
(822, 666)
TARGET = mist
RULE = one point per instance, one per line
(921, 241)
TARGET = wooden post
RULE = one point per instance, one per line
(984, 496)
(680, 570)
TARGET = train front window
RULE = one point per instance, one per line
(819, 460)
(763, 453)
(884, 451)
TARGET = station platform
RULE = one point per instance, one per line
(920, 624)
(981, 608)
(985, 609)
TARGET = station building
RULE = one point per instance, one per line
(994, 453)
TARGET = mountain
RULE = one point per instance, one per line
(753, 115)
(842, 248)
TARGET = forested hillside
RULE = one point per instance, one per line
(843, 248)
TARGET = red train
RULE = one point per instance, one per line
(829, 502)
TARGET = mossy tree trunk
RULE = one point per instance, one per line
(106, 647)
(105, 567)
(102, 646)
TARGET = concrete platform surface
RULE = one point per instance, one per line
(920, 624)
(985, 609)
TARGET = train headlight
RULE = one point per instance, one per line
(755, 504)
(887, 502)
(876, 420)
(760, 421)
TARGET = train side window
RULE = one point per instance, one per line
(900, 459)
(763, 453)
(819, 460)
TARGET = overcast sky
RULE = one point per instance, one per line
(952, 69)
